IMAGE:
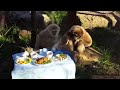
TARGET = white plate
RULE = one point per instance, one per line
(22, 59)
(57, 60)
(33, 62)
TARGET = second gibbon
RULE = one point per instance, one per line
(83, 52)
(47, 37)
(78, 41)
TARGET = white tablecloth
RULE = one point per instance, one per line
(56, 70)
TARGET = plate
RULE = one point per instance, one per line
(60, 57)
(42, 61)
(23, 60)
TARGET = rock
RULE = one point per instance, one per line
(46, 19)
(23, 19)
(93, 19)
(117, 17)
(24, 34)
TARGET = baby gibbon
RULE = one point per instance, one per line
(48, 37)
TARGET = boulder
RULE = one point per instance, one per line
(24, 34)
(93, 19)
(23, 19)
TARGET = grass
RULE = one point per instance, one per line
(106, 41)
(103, 67)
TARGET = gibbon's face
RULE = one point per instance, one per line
(75, 32)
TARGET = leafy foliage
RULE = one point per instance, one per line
(56, 16)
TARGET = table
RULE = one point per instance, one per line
(56, 70)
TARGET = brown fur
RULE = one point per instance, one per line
(82, 35)
(78, 41)
(68, 40)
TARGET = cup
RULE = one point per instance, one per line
(33, 54)
(25, 54)
(44, 50)
(49, 54)
(40, 51)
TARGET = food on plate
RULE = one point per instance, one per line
(43, 60)
(61, 56)
(29, 49)
(23, 60)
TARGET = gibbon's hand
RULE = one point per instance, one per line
(77, 41)
(75, 52)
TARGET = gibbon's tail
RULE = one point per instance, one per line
(90, 48)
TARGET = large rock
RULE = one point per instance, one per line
(25, 34)
(23, 19)
(92, 19)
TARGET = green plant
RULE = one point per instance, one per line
(2, 38)
(25, 40)
(105, 66)
(2, 31)
(56, 16)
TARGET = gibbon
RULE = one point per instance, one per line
(78, 33)
(82, 41)
(48, 37)
(75, 34)
(78, 41)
